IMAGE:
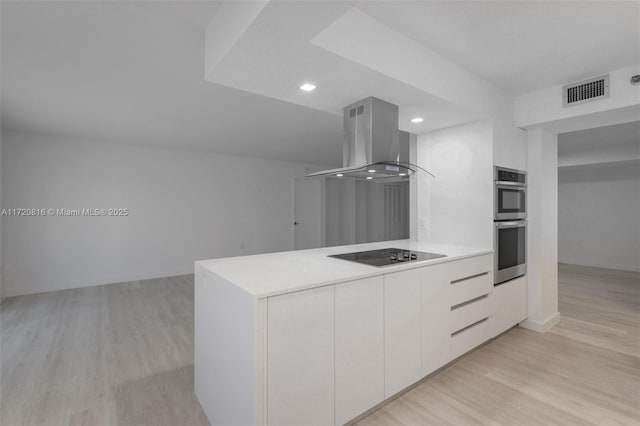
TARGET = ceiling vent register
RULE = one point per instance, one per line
(585, 91)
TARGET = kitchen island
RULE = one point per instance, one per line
(302, 338)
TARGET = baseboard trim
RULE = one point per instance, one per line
(541, 326)
(599, 265)
(92, 282)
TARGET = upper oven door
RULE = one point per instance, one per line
(510, 201)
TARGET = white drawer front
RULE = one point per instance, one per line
(468, 338)
(470, 312)
(470, 287)
(464, 268)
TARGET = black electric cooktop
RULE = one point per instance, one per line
(387, 256)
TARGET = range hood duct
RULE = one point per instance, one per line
(374, 147)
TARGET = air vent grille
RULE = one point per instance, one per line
(586, 91)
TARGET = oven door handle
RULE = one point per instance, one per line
(508, 183)
(515, 224)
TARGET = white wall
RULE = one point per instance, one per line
(509, 144)
(599, 216)
(460, 197)
(184, 206)
(2, 295)
(2, 292)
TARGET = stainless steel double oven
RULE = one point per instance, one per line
(510, 214)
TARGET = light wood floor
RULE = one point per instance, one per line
(123, 354)
(585, 370)
(119, 354)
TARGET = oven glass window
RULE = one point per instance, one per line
(511, 247)
(511, 200)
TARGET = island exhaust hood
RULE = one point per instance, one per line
(374, 147)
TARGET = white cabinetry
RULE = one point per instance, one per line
(300, 358)
(325, 355)
(435, 317)
(359, 347)
(509, 305)
(402, 330)
(471, 284)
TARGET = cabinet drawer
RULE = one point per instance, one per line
(464, 268)
(470, 287)
(470, 312)
(468, 338)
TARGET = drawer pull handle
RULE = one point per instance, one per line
(469, 326)
(468, 278)
(468, 302)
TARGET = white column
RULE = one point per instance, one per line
(542, 236)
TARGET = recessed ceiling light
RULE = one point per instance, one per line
(372, 171)
(339, 175)
(369, 177)
(414, 120)
(307, 87)
(402, 174)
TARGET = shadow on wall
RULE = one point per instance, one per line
(629, 170)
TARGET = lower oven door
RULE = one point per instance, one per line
(510, 245)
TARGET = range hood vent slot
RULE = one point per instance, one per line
(585, 91)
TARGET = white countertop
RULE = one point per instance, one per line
(270, 274)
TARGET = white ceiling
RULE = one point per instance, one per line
(522, 46)
(280, 50)
(134, 71)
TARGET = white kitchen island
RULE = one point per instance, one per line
(299, 338)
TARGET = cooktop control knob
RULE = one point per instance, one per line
(405, 254)
(414, 256)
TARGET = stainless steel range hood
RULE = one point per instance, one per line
(374, 147)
